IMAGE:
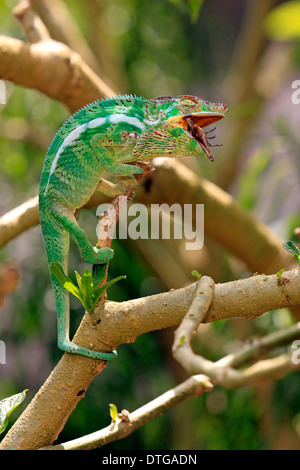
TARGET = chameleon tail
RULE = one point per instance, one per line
(57, 247)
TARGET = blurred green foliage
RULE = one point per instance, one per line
(154, 48)
(283, 22)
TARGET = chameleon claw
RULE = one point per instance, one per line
(104, 255)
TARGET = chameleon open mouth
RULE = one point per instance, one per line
(203, 119)
(194, 123)
(198, 133)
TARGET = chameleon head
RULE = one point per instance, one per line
(186, 116)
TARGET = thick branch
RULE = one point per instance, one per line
(52, 68)
(224, 220)
(257, 346)
(195, 385)
(18, 220)
(62, 27)
(122, 323)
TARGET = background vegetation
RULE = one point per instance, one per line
(243, 53)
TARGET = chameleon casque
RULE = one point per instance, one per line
(103, 137)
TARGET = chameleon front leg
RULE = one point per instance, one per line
(108, 162)
(111, 186)
(89, 253)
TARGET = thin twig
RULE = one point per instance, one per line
(257, 346)
(32, 24)
(196, 385)
(184, 334)
(222, 371)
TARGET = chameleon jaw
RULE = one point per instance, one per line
(198, 133)
(201, 119)
(193, 124)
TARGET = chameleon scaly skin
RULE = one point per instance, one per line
(103, 137)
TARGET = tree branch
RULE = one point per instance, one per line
(62, 27)
(122, 323)
(196, 385)
(18, 220)
(222, 372)
(184, 334)
(257, 346)
(32, 24)
(52, 68)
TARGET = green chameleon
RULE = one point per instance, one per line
(103, 137)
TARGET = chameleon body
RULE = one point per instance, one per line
(103, 137)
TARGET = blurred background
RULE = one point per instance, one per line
(243, 53)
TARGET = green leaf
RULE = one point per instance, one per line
(70, 286)
(65, 281)
(283, 22)
(113, 411)
(98, 273)
(78, 279)
(87, 281)
(87, 289)
(293, 249)
(7, 406)
(196, 274)
(57, 270)
(97, 292)
(279, 274)
(195, 7)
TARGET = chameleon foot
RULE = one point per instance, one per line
(72, 348)
(97, 255)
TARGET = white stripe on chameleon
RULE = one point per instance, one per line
(96, 122)
(133, 121)
(75, 134)
(152, 123)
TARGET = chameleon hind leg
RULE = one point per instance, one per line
(56, 242)
(63, 327)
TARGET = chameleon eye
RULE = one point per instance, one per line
(187, 103)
